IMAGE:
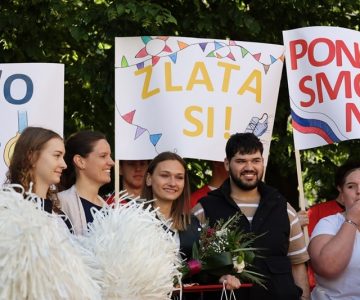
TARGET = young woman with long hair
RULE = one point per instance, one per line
(37, 164)
(88, 156)
(39, 257)
(167, 182)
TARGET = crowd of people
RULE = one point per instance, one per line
(67, 178)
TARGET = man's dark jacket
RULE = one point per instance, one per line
(271, 218)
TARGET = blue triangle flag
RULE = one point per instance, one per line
(218, 45)
(154, 138)
(173, 57)
(273, 59)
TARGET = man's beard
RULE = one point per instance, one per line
(242, 184)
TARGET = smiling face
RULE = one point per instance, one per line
(350, 190)
(245, 170)
(48, 167)
(167, 180)
(96, 167)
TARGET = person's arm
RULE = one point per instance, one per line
(298, 254)
(299, 272)
(331, 250)
(330, 254)
(199, 213)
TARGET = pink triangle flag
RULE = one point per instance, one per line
(231, 56)
(129, 116)
(141, 53)
(167, 49)
(155, 60)
(257, 56)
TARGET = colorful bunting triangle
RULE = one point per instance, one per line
(244, 52)
(232, 43)
(146, 39)
(154, 138)
(129, 116)
(182, 45)
(281, 58)
(257, 56)
(203, 46)
(231, 56)
(211, 54)
(139, 131)
(154, 60)
(141, 53)
(218, 45)
(167, 49)
(164, 38)
(124, 62)
(140, 65)
(266, 68)
(173, 57)
(273, 59)
(218, 56)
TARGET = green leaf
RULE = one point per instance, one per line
(195, 252)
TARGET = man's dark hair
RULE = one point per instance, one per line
(244, 143)
(343, 171)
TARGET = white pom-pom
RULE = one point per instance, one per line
(139, 259)
(38, 257)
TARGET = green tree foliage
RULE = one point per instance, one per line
(81, 35)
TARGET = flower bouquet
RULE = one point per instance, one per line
(225, 249)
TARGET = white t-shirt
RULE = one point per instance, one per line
(347, 285)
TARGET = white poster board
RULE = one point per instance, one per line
(323, 66)
(189, 94)
(31, 94)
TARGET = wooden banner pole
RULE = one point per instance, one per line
(302, 202)
(117, 180)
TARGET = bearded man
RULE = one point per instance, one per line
(265, 212)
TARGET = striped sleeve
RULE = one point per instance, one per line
(297, 247)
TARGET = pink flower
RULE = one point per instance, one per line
(194, 266)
